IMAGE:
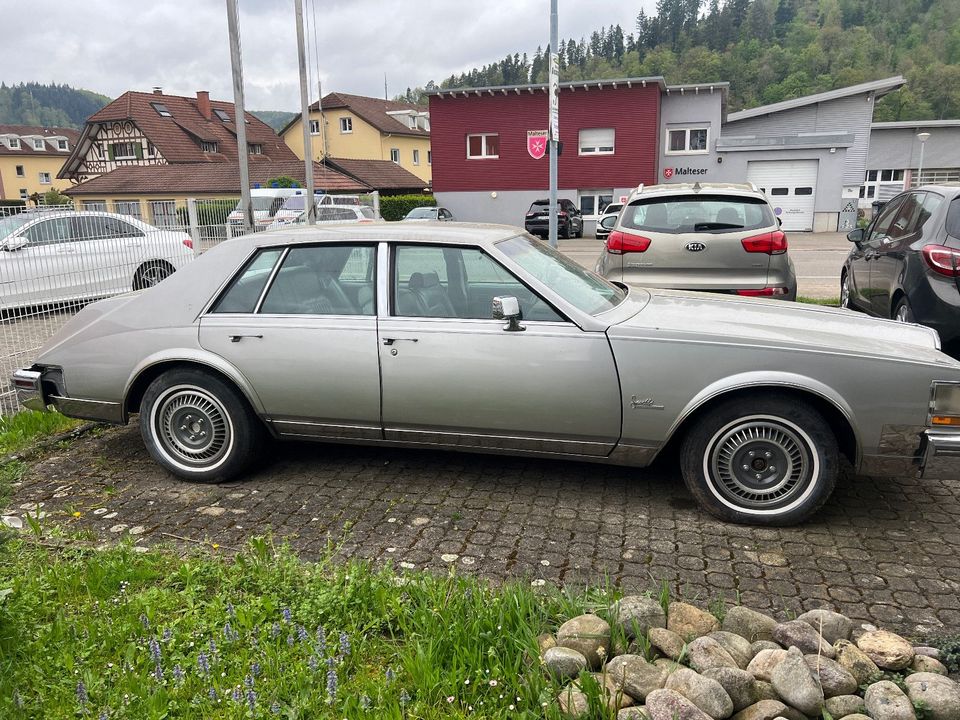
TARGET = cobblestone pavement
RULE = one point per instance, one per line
(881, 551)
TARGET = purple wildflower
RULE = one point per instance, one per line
(291, 640)
(390, 675)
(203, 662)
(213, 647)
(252, 700)
(313, 663)
(275, 631)
(248, 681)
(344, 644)
(212, 693)
(82, 696)
(103, 715)
(365, 702)
(331, 662)
(229, 634)
(255, 669)
(286, 614)
(145, 621)
(331, 685)
(154, 650)
(158, 673)
(178, 673)
(321, 640)
(230, 610)
(404, 697)
(275, 709)
(236, 694)
(302, 635)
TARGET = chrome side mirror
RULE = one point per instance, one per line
(13, 243)
(507, 307)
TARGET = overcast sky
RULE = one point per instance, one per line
(110, 46)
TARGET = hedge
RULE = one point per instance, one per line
(396, 207)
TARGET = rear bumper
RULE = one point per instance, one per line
(28, 383)
(940, 455)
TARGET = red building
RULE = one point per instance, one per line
(483, 170)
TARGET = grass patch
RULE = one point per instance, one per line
(830, 302)
(25, 428)
(10, 472)
(119, 633)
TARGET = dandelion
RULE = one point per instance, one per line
(331, 685)
(144, 620)
(404, 697)
(203, 663)
(275, 631)
(82, 696)
(365, 702)
(215, 546)
(154, 650)
(178, 674)
(286, 614)
(252, 700)
(77, 513)
(344, 644)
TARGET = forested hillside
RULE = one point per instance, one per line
(52, 105)
(769, 50)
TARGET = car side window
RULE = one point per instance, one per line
(457, 282)
(953, 218)
(907, 221)
(49, 232)
(880, 229)
(243, 292)
(323, 280)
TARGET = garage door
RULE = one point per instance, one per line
(790, 186)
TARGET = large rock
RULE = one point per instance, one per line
(637, 614)
(857, 716)
(925, 663)
(885, 701)
(758, 645)
(667, 642)
(831, 625)
(765, 690)
(800, 635)
(842, 705)
(888, 650)
(690, 622)
(670, 705)
(856, 662)
(795, 685)
(545, 642)
(833, 677)
(705, 693)
(739, 685)
(763, 710)
(941, 694)
(573, 703)
(668, 665)
(564, 663)
(927, 651)
(705, 652)
(589, 635)
(762, 665)
(633, 713)
(738, 647)
(636, 676)
(749, 624)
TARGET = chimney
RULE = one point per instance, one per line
(157, 90)
(203, 103)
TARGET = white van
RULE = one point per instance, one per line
(293, 207)
(266, 202)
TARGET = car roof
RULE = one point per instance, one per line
(448, 233)
(710, 188)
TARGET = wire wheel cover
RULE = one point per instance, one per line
(192, 427)
(759, 463)
(152, 275)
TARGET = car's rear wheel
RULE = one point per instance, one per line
(845, 291)
(151, 273)
(902, 312)
(760, 461)
(199, 427)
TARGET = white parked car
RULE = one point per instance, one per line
(265, 203)
(57, 256)
(429, 213)
(610, 211)
(292, 212)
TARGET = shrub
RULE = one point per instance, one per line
(395, 207)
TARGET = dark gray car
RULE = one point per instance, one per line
(906, 264)
(705, 236)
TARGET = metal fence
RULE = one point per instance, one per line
(56, 259)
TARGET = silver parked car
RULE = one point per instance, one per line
(704, 236)
(57, 256)
(422, 214)
(483, 338)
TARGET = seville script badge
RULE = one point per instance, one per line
(536, 143)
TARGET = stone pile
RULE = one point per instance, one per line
(684, 664)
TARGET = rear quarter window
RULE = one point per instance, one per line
(953, 219)
(698, 213)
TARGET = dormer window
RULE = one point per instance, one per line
(222, 114)
(161, 109)
(62, 145)
(14, 143)
(208, 147)
(37, 144)
(256, 148)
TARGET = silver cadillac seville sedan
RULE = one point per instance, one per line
(482, 338)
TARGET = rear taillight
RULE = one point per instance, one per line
(772, 243)
(562, 213)
(188, 242)
(763, 292)
(942, 260)
(619, 243)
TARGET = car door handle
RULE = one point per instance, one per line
(391, 341)
(238, 338)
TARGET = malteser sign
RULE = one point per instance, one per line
(669, 172)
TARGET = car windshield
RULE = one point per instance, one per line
(698, 213)
(422, 213)
(9, 225)
(368, 212)
(583, 289)
(295, 202)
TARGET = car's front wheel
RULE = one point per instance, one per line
(769, 461)
(198, 426)
(845, 292)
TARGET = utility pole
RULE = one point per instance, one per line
(309, 203)
(236, 67)
(554, 127)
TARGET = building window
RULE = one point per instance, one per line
(98, 205)
(416, 157)
(131, 208)
(62, 145)
(429, 157)
(44, 178)
(24, 194)
(395, 155)
(315, 126)
(597, 141)
(485, 145)
(14, 143)
(882, 184)
(222, 114)
(256, 149)
(346, 125)
(20, 171)
(124, 151)
(37, 144)
(161, 109)
(207, 146)
(151, 150)
(594, 202)
(688, 140)
(163, 212)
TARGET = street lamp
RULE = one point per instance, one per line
(922, 137)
